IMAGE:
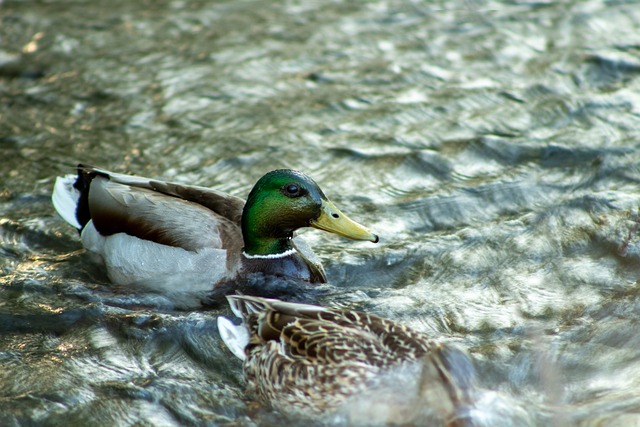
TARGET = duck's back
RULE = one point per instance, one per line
(153, 216)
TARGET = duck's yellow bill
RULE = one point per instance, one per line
(334, 221)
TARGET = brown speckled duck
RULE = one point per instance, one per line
(306, 360)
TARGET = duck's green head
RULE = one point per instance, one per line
(283, 201)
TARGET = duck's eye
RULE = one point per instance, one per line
(292, 190)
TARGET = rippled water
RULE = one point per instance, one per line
(493, 145)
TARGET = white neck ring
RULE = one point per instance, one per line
(270, 256)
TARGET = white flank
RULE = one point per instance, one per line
(236, 337)
(270, 256)
(131, 260)
(65, 199)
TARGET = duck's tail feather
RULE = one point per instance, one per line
(235, 337)
(70, 196)
(66, 198)
(245, 305)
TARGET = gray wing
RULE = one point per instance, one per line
(172, 214)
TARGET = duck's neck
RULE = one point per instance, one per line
(261, 235)
(266, 247)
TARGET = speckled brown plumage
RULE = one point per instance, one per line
(312, 360)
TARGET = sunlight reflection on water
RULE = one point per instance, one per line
(492, 144)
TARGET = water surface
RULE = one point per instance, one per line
(494, 145)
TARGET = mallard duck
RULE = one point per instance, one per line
(168, 235)
(314, 361)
